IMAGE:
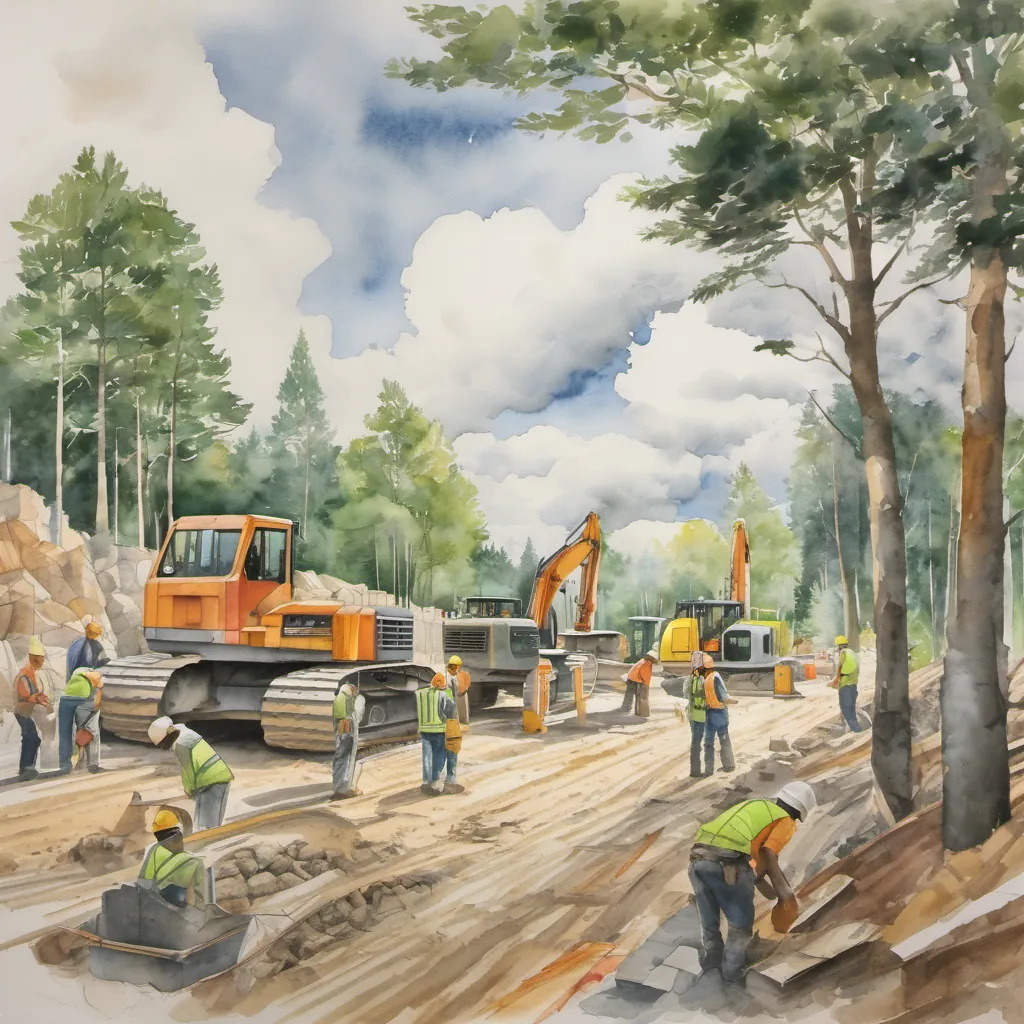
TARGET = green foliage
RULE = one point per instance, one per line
(695, 563)
(494, 574)
(527, 573)
(410, 515)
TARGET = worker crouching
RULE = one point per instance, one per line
(638, 686)
(732, 855)
(438, 722)
(205, 775)
(166, 868)
(348, 713)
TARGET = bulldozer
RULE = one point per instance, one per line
(752, 654)
(228, 642)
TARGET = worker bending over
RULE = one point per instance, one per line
(348, 713)
(205, 775)
(845, 681)
(30, 702)
(80, 724)
(86, 651)
(178, 876)
(457, 683)
(731, 855)
(638, 683)
(434, 709)
(716, 699)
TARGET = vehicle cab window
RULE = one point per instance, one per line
(266, 559)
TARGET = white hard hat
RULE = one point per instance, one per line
(159, 728)
(799, 796)
(652, 656)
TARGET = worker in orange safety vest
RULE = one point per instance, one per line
(638, 683)
(456, 684)
(29, 699)
(716, 698)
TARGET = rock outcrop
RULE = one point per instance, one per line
(51, 591)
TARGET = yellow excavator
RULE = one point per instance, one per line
(753, 655)
(227, 642)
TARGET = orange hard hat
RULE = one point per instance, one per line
(709, 662)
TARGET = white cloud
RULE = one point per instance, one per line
(638, 538)
(133, 78)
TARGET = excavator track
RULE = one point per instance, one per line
(297, 715)
(132, 690)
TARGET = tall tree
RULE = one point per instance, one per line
(301, 442)
(527, 573)
(795, 143)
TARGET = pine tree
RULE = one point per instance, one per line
(301, 444)
(527, 572)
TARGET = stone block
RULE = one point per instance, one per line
(308, 852)
(246, 863)
(361, 918)
(232, 888)
(228, 870)
(265, 854)
(288, 880)
(662, 978)
(263, 883)
(356, 900)
(778, 745)
(637, 967)
(280, 864)
(684, 958)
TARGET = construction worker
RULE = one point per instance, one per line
(205, 775)
(348, 713)
(178, 876)
(716, 699)
(845, 681)
(86, 651)
(434, 707)
(698, 713)
(638, 676)
(457, 682)
(29, 700)
(78, 711)
(730, 856)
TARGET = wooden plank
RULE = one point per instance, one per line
(823, 897)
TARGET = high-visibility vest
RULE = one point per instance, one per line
(709, 691)
(342, 707)
(164, 868)
(736, 828)
(78, 685)
(698, 702)
(849, 668)
(205, 768)
(428, 710)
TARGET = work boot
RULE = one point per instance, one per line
(28, 775)
(346, 794)
(451, 786)
(428, 789)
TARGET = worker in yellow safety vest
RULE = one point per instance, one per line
(84, 692)
(178, 876)
(845, 681)
(457, 683)
(205, 775)
(638, 683)
(434, 709)
(732, 855)
(348, 713)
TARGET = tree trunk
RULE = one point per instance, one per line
(891, 738)
(1007, 582)
(57, 518)
(140, 493)
(172, 442)
(976, 781)
(102, 506)
(8, 468)
(117, 499)
(954, 526)
(932, 625)
(851, 626)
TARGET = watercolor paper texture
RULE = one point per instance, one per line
(477, 483)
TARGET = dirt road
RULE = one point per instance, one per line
(570, 845)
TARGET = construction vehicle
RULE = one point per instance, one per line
(753, 655)
(501, 650)
(228, 642)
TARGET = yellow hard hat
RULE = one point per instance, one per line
(35, 648)
(455, 660)
(841, 641)
(165, 820)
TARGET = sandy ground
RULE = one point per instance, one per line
(575, 840)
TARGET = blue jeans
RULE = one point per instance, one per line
(435, 757)
(848, 706)
(66, 708)
(696, 738)
(717, 725)
(715, 898)
(30, 743)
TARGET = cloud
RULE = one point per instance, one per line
(133, 78)
(540, 484)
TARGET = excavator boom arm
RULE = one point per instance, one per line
(739, 573)
(583, 547)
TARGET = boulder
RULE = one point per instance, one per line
(288, 880)
(232, 888)
(315, 867)
(263, 883)
(266, 969)
(361, 918)
(280, 864)
(356, 900)
(308, 852)
(246, 863)
(265, 854)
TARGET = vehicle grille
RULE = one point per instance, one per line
(306, 625)
(465, 641)
(393, 634)
(524, 641)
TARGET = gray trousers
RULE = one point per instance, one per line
(630, 698)
(343, 767)
(211, 803)
(90, 756)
